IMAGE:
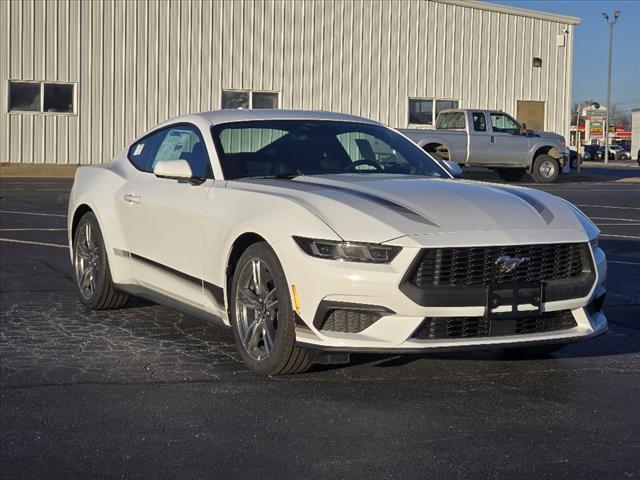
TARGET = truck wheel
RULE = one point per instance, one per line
(510, 174)
(439, 152)
(545, 169)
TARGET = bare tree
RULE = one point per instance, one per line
(619, 116)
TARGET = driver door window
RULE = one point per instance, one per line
(502, 123)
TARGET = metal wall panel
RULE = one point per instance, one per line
(139, 63)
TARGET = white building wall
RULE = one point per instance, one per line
(139, 63)
(635, 133)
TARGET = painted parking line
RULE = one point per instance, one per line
(33, 229)
(33, 213)
(619, 236)
(623, 263)
(42, 244)
(616, 219)
(632, 224)
(609, 206)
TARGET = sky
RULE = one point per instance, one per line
(591, 43)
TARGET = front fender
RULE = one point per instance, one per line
(229, 213)
(551, 148)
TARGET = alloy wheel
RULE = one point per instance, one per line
(256, 309)
(86, 260)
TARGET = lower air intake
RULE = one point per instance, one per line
(349, 321)
(440, 328)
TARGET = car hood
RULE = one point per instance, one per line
(412, 210)
(553, 135)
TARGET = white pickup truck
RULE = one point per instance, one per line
(493, 139)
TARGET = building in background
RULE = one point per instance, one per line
(82, 79)
(635, 133)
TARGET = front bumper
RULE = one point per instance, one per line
(320, 281)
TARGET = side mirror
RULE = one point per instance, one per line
(453, 168)
(175, 169)
(523, 129)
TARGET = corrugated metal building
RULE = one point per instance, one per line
(82, 78)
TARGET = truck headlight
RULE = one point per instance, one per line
(348, 251)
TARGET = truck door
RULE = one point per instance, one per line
(508, 145)
(479, 138)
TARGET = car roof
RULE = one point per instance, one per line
(215, 117)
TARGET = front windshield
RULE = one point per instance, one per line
(266, 148)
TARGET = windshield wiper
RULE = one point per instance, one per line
(281, 176)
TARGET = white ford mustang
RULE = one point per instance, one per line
(310, 232)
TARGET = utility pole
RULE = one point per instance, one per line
(611, 23)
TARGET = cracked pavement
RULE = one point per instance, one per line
(146, 392)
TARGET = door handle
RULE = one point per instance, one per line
(131, 198)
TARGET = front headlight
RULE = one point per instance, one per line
(594, 242)
(348, 251)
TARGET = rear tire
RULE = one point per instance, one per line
(91, 267)
(262, 315)
(510, 174)
(545, 169)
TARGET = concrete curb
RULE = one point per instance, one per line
(37, 170)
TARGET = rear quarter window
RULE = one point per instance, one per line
(142, 153)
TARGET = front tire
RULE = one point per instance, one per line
(91, 267)
(545, 169)
(262, 315)
(511, 174)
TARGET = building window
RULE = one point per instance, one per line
(420, 111)
(445, 105)
(58, 97)
(42, 97)
(24, 97)
(232, 99)
(264, 100)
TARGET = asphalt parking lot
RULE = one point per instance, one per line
(147, 392)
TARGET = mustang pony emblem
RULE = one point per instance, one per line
(507, 264)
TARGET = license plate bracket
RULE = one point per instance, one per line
(514, 295)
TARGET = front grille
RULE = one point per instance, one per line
(349, 321)
(476, 266)
(440, 328)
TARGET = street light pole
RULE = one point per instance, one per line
(611, 23)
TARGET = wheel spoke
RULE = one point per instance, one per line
(257, 272)
(87, 234)
(249, 299)
(266, 339)
(82, 251)
(256, 334)
(92, 282)
(85, 277)
(272, 304)
(249, 333)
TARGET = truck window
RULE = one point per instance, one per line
(504, 124)
(479, 122)
(450, 121)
